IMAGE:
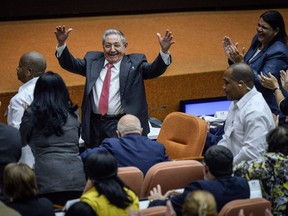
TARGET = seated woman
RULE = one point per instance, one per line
(50, 126)
(107, 194)
(21, 187)
(271, 169)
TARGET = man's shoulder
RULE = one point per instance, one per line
(94, 54)
(136, 57)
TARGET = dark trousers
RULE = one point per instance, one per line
(102, 127)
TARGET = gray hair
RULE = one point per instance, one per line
(113, 31)
(128, 123)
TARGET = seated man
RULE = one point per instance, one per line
(218, 181)
(131, 148)
(249, 117)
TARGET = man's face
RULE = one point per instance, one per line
(231, 87)
(113, 48)
(23, 72)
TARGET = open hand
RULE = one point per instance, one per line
(269, 81)
(62, 34)
(166, 41)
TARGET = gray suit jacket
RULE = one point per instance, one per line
(134, 70)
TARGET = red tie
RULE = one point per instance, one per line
(103, 102)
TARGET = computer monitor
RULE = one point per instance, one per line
(204, 106)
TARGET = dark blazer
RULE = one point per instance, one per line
(272, 58)
(224, 189)
(134, 70)
(33, 207)
(132, 150)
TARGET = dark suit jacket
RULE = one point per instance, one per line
(132, 150)
(224, 189)
(134, 70)
(10, 149)
(272, 58)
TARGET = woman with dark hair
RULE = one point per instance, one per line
(271, 169)
(108, 194)
(268, 53)
(50, 126)
(21, 187)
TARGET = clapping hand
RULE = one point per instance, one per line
(269, 82)
(284, 79)
(166, 41)
(232, 51)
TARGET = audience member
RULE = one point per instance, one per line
(21, 187)
(10, 150)
(131, 149)
(249, 117)
(80, 209)
(271, 169)
(50, 126)
(218, 181)
(268, 52)
(272, 83)
(31, 65)
(199, 203)
(125, 93)
(108, 194)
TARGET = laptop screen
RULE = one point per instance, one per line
(205, 106)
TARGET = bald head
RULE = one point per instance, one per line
(128, 124)
(242, 71)
(31, 64)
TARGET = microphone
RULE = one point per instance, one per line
(163, 107)
(154, 121)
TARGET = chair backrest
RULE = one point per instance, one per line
(154, 211)
(183, 135)
(256, 206)
(171, 175)
(132, 177)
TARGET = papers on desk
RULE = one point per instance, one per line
(154, 132)
(216, 120)
(255, 189)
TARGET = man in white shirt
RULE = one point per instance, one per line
(249, 117)
(31, 66)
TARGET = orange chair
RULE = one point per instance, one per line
(171, 175)
(132, 177)
(183, 136)
(256, 206)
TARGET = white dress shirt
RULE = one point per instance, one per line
(24, 96)
(247, 123)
